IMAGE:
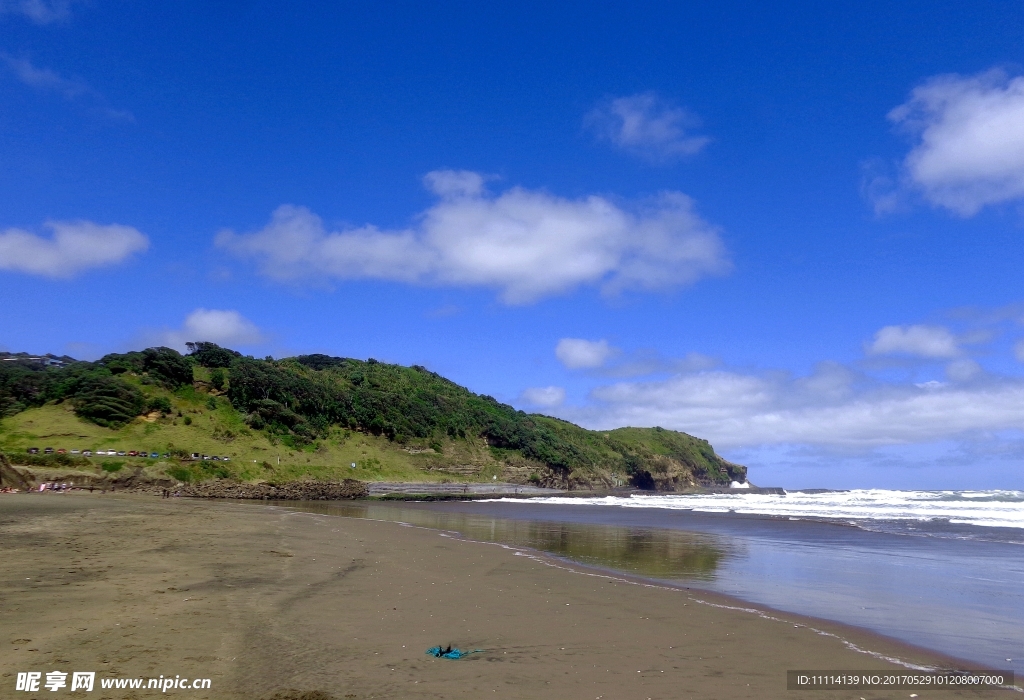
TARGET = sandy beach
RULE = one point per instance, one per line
(266, 602)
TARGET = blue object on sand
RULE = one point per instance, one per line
(450, 653)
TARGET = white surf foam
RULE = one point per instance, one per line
(980, 508)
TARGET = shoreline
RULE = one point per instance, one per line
(262, 600)
(860, 639)
(948, 591)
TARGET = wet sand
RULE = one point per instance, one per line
(262, 600)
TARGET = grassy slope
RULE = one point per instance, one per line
(219, 432)
(672, 458)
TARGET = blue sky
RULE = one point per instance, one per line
(793, 230)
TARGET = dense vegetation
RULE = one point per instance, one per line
(98, 392)
(301, 400)
(307, 394)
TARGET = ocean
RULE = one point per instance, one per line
(926, 513)
(938, 569)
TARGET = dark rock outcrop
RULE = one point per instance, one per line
(291, 491)
(11, 477)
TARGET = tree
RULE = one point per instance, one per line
(211, 355)
(167, 366)
(159, 403)
(108, 401)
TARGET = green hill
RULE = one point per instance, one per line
(314, 416)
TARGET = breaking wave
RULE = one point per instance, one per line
(993, 509)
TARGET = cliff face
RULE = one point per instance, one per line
(668, 474)
(653, 459)
(667, 460)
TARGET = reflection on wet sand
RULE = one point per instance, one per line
(656, 553)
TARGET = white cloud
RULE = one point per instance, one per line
(38, 11)
(75, 246)
(835, 409)
(577, 353)
(880, 186)
(47, 80)
(934, 342)
(1018, 350)
(224, 327)
(544, 397)
(454, 183)
(527, 244)
(647, 126)
(645, 362)
(970, 148)
(963, 370)
(609, 361)
(828, 408)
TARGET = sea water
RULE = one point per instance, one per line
(924, 513)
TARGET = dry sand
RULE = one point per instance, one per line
(262, 600)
